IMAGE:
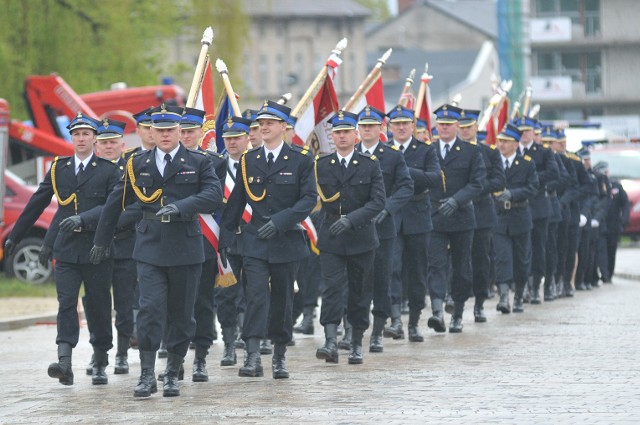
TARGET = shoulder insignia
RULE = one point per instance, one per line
(254, 149)
(130, 150)
(427, 142)
(304, 151)
(395, 148)
(527, 158)
(473, 142)
(373, 157)
(545, 145)
(492, 147)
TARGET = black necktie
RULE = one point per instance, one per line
(446, 149)
(270, 159)
(80, 171)
(506, 164)
(401, 147)
(167, 159)
(525, 151)
(343, 162)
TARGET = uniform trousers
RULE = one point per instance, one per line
(382, 279)
(167, 295)
(353, 271)
(512, 258)
(269, 295)
(602, 257)
(583, 255)
(551, 257)
(573, 241)
(410, 266)
(97, 287)
(204, 312)
(308, 284)
(562, 245)
(230, 300)
(124, 282)
(438, 257)
(481, 262)
(612, 247)
(538, 247)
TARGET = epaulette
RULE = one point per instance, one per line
(394, 147)
(545, 145)
(527, 158)
(473, 142)
(323, 156)
(103, 159)
(131, 150)
(573, 156)
(373, 157)
(253, 149)
(427, 142)
(304, 150)
(61, 158)
(492, 147)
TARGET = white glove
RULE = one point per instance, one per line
(595, 223)
(583, 220)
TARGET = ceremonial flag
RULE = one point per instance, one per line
(324, 105)
(375, 98)
(223, 113)
(427, 107)
(206, 102)
(497, 122)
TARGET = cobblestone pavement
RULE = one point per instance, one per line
(568, 361)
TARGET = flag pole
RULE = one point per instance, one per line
(366, 84)
(198, 75)
(224, 73)
(501, 91)
(317, 82)
(408, 82)
(284, 98)
(527, 101)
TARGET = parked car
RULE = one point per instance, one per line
(23, 263)
(624, 166)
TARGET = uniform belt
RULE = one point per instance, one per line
(508, 205)
(82, 230)
(257, 222)
(420, 196)
(150, 215)
(124, 234)
(332, 217)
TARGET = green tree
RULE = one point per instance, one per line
(93, 44)
(379, 9)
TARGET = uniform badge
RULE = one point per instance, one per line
(457, 148)
(517, 162)
(285, 157)
(333, 161)
(355, 162)
(258, 156)
(94, 164)
(250, 179)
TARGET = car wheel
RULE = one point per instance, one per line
(24, 263)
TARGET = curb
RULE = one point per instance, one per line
(13, 323)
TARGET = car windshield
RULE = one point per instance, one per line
(623, 164)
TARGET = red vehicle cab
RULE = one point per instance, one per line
(624, 166)
(23, 263)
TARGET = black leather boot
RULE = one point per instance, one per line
(122, 365)
(171, 387)
(414, 331)
(436, 321)
(239, 343)
(478, 311)
(535, 295)
(306, 326)
(89, 369)
(355, 356)
(518, 299)
(503, 305)
(252, 364)
(449, 304)
(329, 351)
(100, 362)
(200, 373)
(62, 369)
(395, 330)
(147, 383)
(568, 290)
(278, 362)
(229, 337)
(266, 347)
(456, 319)
(375, 345)
(559, 287)
(345, 343)
(549, 289)
(162, 351)
(180, 374)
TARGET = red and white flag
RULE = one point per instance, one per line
(375, 98)
(206, 101)
(324, 105)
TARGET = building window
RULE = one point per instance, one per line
(583, 13)
(584, 67)
(280, 73)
